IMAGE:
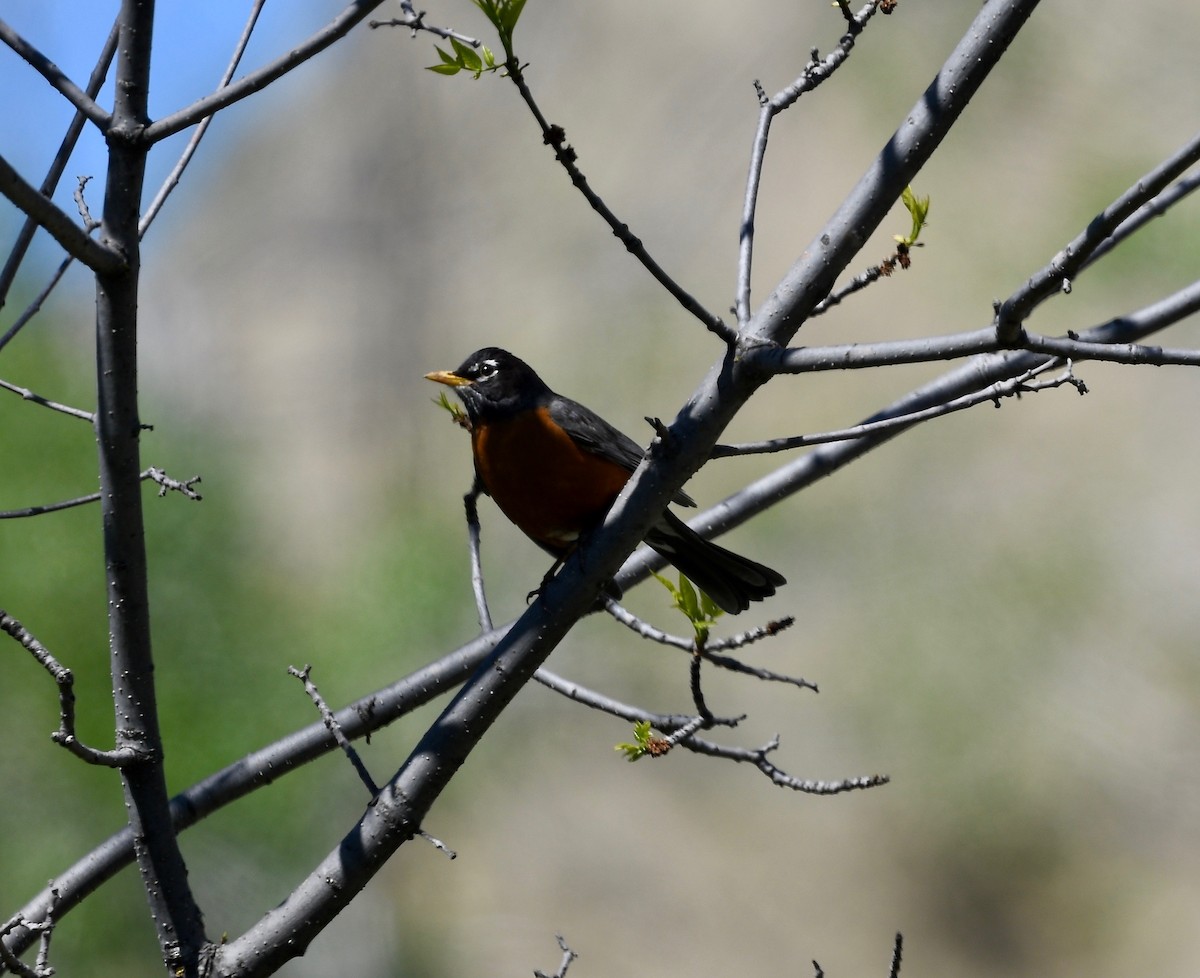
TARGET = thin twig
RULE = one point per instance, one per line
(415, 21)
(36, 305)
(815, 73)
(567, 958)
(703, 713)
(65, 681)
(28, 395)
(73, 239)
(176, 174)
(336, 29)
(58, 80)
(901, 258)
(757, 672)
(742, 755)
(556, 138)
(1068, 263)
(897, 956)
(335, 728)
(1013, 387)
(57, 166)
(165, 484)
(713, 646)
(14, 964)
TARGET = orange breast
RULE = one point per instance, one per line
(542, 480)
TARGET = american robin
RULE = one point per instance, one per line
(554, 468)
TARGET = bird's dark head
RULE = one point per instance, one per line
(492, 382)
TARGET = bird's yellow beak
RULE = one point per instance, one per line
(447, 377)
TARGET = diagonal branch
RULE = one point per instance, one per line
(73, 238)
(336, 29)
(555, 137)
(1075, 256)
(58, 80)
(403, 802)
(176, 174)
(9, 273)
(1012, 387)
(33, 398)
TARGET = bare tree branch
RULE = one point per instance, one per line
(814, 74)
(9, 273)
(1064, 266)
(177, 918)
(165, 484)
(33, 398)
(860, 356)
(58, 80)
(256, 770)
(564, 964)
(176, 174)
(65, 681)
(331, 724)
(73, 238)
(471, 505)
(260, 79)
(414, 20)
(1012, 387)
(556, 138)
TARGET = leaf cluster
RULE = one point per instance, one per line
(464, 58)
(503, 15)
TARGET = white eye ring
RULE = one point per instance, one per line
(487, 369)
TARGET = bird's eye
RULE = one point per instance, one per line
(485, 369)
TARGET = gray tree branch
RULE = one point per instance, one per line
(118, 430)
(83, 101)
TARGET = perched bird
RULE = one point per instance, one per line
(555, 468)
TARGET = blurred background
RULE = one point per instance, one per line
(1000, 608)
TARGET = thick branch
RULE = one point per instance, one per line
(118, 428)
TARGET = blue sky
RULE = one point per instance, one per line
(193, 42)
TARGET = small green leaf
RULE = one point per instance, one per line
(918, 210)
(641, 745)
(689, 601)
(444, 69)
(693, 604)
(511, 13)
(446, 56)
(708, 607)
(467, 56)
